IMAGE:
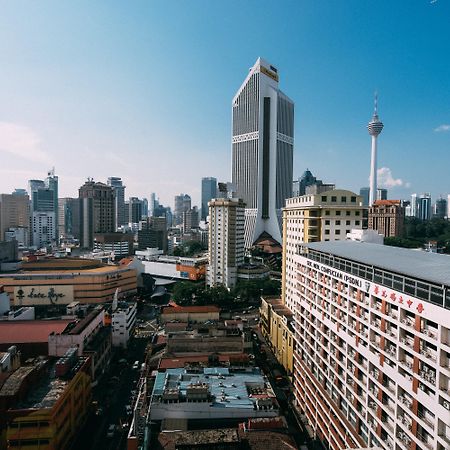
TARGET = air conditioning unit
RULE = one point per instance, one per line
(446, 404)
(426, 332)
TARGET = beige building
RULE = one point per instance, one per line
(387, 217)
(14, 212)
(327, 216)
(226, 241)
(61, 281)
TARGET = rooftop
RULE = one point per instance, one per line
(30, 331)
(228, 389)
(191, 309)
(431, 267)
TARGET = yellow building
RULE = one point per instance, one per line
(53, 412)
(276, 326)
(61, 281)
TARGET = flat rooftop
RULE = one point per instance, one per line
(30, 331)
(431, 267)
(229, 389)
(190, 309)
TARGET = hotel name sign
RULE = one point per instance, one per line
(43, 295)
(345, 277)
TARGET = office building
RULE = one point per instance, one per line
(226, 241)
(19, 234)
(51, 183)
(364, 193)
(152, 204)
(43, 228)
(262, 150)
(153, 234)
(372, 359)
(123, 322)
(34, 185)
(374, 127)
(69, 217)
(413, 206)
(300, 186)
(328, 216)
(14, 213)
(424, 207)
(382, 194)
(97, 211)
(144, 208)
(120, 244)
(440, 208)
(116, 184)
(190, 219)
(387, 217)
(209, 191)
(135, 210)
(182, 204)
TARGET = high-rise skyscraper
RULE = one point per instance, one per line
(440, 208)
(375, 127)
(182, 204)
(14, 213)
(424, 207)
(262, 150)
(135, 210)
(51, 183)
(119, 201)
(226, 241)
(382, 194)
(96, 211)
(209, 191)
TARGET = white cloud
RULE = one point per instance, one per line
(21, 141)
(442, 128)
(387, 180)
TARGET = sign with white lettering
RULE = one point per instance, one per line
(43, 295)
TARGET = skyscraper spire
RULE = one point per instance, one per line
(374, 127)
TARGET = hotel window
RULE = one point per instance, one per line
(338, 213)
(347, 222)
(338, 232)
(334, 198)
(327, 213)
(324, 198)
(344, 199)
(353, 199)
(357, 213)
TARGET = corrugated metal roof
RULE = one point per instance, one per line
(431, 267)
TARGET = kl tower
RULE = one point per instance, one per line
(375, 126)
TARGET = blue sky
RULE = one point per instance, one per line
(143, 89)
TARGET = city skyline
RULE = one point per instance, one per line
(104, 96)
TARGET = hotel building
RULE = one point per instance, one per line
(327, 216)
(372, 359)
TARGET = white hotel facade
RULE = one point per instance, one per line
(372, 359)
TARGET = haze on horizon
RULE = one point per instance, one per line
(143, 91)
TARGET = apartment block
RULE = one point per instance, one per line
(372, 359)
